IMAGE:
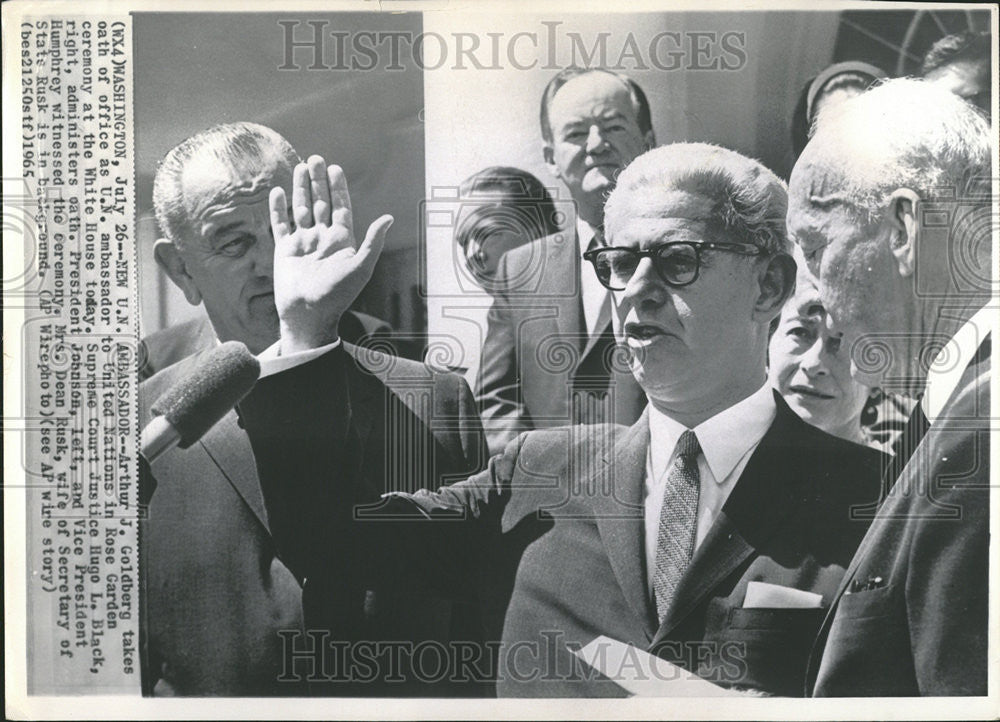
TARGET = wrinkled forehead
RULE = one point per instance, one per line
(816, 186)
(647, 214)
(212, 187)
(595, 92)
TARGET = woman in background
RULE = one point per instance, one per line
(811, 369)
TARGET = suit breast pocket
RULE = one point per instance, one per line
(868, 650)
(776, 619)
(774, 645)
(874, 603)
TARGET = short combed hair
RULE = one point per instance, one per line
(643, 116)
(960, 47)
(749, 201)
(239, 147)
(524, 199)
(904, 133)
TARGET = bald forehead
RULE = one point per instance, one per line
(592, 83)
(817, 181)
(649, 200)
(594, 86)
(648, 214)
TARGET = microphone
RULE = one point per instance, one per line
(191, 407)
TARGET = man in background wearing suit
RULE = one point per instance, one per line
(713, 532)
(891, 204)
(217, 591)
(548, 355)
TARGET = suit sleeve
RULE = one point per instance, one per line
(295, 421)
(498, 388)
(468, 426)
(947, 591)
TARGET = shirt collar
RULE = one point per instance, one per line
(272, 361)
(725, 438)
(951, 361)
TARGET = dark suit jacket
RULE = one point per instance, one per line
(537, 354)
(218, 590)
(167, 346)
(922, 628)
(557, 520)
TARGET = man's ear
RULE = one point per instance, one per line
(169, 259)
(904, 228)
(550, 160)
(777, 283)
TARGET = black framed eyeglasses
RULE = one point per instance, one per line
(677, 262)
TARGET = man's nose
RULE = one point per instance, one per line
(645, 286)
(595, 139)
(263, 254)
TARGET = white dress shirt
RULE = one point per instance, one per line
(592, 293)
(951, 361)
(727, 441)
(273, 362)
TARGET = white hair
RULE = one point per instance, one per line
(903, 133)
(749, 201)
(238, 147)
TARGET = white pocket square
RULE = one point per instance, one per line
(774, 596)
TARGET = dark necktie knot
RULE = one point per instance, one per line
(688, 446)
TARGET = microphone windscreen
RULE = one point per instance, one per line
(215, 385)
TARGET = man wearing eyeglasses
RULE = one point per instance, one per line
(715, 530)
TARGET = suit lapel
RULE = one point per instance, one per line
(979, 363)
(226, 444)
(744, 523)
(364, 405)
(562, 274)
(602, 327)
(229, 448)
(620, 519)
(975, 367)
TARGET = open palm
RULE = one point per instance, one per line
(319, 269)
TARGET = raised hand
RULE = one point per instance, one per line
(319, 269)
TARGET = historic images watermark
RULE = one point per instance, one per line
(312, 656)
(313, 45)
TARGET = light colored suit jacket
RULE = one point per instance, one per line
(539, 367)
(218, 590)
(556, 524)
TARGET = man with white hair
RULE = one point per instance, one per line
(891, 204)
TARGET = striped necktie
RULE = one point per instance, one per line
(678, 522)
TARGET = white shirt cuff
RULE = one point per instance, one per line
(272, 362)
